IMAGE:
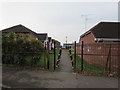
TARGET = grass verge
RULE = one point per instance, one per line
(52, 57)
(88, 68)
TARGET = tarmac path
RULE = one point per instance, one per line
(65, 63)
(63, 78)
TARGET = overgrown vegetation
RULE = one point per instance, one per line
(19, 51)
(88, 68)
(52, 57)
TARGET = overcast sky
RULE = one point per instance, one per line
(58, 19)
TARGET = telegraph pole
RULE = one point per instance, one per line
(66, 42)
(66, 39)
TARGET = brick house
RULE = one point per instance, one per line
(98, 41)
(57, 43)
(68, 45)
(43, 37)
(22, 31)
(50, 43)
(105, 32)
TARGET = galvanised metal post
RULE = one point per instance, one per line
(54, 55)
(110, 61)
(82, 56)
(75, 56)
(48, 55)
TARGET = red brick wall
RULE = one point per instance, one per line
(99, 51)
(89, 38)
(97, 55)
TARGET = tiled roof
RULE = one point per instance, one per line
(105, 30)
(42, 36)
(18, 29)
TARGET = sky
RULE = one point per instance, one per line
(58, 19)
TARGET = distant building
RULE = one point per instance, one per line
(43, 37)
(22, 31)
(57, 44)
(50, 43)
(26, 33)
(68, 45)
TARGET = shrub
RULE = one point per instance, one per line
(15, 50)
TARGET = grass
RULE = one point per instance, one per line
(42, 63)
(43, 60)
(89, 68)
(52, 57)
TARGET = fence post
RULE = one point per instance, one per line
(54, 55)
(75, 56)
(110, 61)
(82, 56)
(44, 52)
(48, 55)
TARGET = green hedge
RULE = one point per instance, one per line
(19, 51)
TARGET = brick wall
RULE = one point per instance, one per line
(96, 53)
(89, 38)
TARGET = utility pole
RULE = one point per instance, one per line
(66, 39)
(66, 42)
